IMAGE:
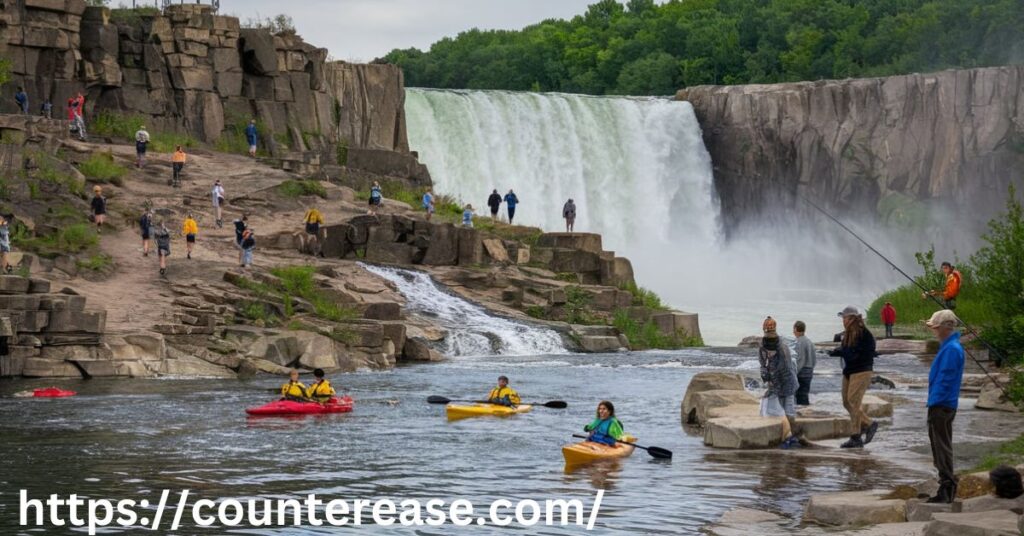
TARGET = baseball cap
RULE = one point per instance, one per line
(849, 311)
(944, 317)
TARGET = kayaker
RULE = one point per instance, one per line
(503, 394)
(294, 389)
(320, 390)
(606, 428)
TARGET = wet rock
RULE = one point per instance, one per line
(745, 432)
(855, 509)
(36, 367)
(706, 401)
(876, 407)
(817, 427)
(707, 381)
(753, 341)
(919, 510)
(994, 523)
(600, 344)
(993, 398)
(673, 323)
(190, 366)
(417, 349)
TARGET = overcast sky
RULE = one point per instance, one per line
(366, 29)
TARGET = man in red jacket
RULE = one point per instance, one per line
(888, 318)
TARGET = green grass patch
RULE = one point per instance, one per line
(1010, 453)
(100, 262)
(298, 188)
(132, 16)
(647, 336)
(46, 172)
(298, 281)
(537, 311)
(101, 167)
(122, 125)
(645, 297)
(577, 307)
(569, 277)
(74, 238)
(258, 312)
(911, 308)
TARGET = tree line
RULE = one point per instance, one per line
(644, 48)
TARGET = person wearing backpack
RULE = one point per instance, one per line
(141, 143)
(248, 245)
(494, 202)
(163, 246)
(146, 228)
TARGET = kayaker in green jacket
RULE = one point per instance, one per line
(606, 428)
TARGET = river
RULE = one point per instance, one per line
(130, 439)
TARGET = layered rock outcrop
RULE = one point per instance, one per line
(866, 145)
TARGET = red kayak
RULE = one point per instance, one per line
(52, 392)
(291, 407)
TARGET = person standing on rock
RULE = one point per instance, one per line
(177, 164)
(947, 371)
(569, 213)
(99, 207)
(428, 203)
(857, 350)
(78, 110)
(510, 202)
(46, 109)
(218, 202)
(376, 198)
(248, 245)
(146, 228)
(313, 220)
(888, 318)
(163, 246)
(806, 359)
(494, 202)
(141, 143)
(5, 245)
(779, 377)
(467, 216)
(190, 229)
(21, 99)
(241, 225)
(250, 137)
(952, 289)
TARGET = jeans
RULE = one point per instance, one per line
(940, 435)
(247, 257)
(803, 391)
(888, 330)
(176, 171)
(511, 213)
(854, 387)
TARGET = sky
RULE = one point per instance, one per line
(361, 30)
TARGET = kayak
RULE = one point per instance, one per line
(52, 392)
(463, 411)
(588, 451)
(291, 407)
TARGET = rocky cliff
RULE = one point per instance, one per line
(954, 137)
(191, 71)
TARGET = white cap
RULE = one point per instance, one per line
(944, 317)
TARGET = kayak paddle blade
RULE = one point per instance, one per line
(435, 399)
(556, 404)
(660, 453)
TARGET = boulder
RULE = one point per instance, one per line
(443, 249)
(396, 333)
(705, 401)
(187, 366)
(390, 252)
(418, 349)
(708, 381)
(600, 344)
(919, 510)
(992, 398)
(815, 427)
(855, 508)
(496, 250)
(316, 351)
(471, 247)
(617, 272)
(876, 407)
(12, 284)
(19, 302)
(745, 432)
(674, 322)
(38, 286)
(589, 242)
(383, 311)
(995, 523)
(988, 503)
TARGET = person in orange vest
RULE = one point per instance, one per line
(888, 318)
(177, 163)
(952, 288)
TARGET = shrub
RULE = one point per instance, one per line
(99, 262)
(101, 167)
(577, 306)
(646, 335)
(297, 188)
(537, 311)
(644, 297)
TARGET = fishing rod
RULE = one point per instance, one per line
(927, 293)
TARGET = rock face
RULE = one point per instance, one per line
(864, 144)
(992, 398)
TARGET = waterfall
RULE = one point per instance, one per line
(471, 330)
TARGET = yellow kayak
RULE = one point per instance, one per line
(588, 452)
(463, 411)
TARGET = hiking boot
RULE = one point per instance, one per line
(163, 271)
(188, 256)
(869, 432)
(792, 442)
(945, 495)
(854, 442)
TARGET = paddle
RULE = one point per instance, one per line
(556, 404)
(655, 452)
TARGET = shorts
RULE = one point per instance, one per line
(140, 148)
(494, 212)
(313, 228)
(374, 201)
(252, 146)
(429, 209)
(190, 238)
(219, 202)
(163, 252)
(145, 235)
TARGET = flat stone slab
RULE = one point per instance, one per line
(855, 508)
(706, 401)
(995, 523)
(918, 510)
(745, 432)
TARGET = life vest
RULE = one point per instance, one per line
(505, 396)
(321, 391)
(293, 390)
(952, 289)
(602, 432)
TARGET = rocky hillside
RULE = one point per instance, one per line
(954, 138)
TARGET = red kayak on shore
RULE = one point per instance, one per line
(291, 407)
(52, 392)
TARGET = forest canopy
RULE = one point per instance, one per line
(644, 48)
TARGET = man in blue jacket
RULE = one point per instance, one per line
(943, 394)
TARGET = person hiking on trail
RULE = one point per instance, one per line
(467, 216)
(569, 213)
(376, 197)
(944, 377)
(99, 207)
(952, 288)
(78, 115)
(494, 201)
(190, 229)
(241, 225)
(248, 244)
(46, 109)
(163, 246)
(857, 350)
(511, 201)
(21, 98)
(313, 220)
(146, 228)
(806, 358)
(250, 137)
(218, 201)
(141, 142)
(503, 394)
(779, 377)
(428, 203)
(888, 318)
(177, 164)
(5, 245)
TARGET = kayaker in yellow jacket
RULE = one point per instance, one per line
(320, 390)
(503, 394)
(294, 389)
(606, 428)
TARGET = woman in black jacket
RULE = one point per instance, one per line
(857, 350)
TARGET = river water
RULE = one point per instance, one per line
(130, 439)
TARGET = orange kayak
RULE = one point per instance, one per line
(588, 451)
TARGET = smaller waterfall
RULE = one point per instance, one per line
(471, 330)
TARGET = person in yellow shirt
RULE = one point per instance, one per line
(503, 394)
(320, 390)
(313, 220)
(294, 389)
(190, 229)
(177, 164)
